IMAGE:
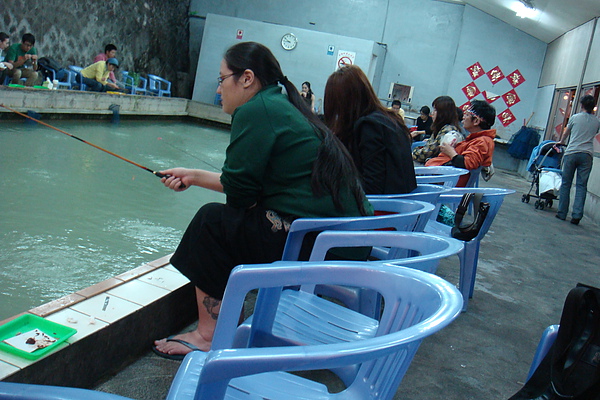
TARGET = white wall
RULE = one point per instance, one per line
(309, 61)
(492, 43)
(565, 57)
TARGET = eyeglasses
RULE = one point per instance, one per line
(222, 78)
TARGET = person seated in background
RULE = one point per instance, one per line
(4, 43)
(110, 51)
(423, 125)
(376, 137)
(478, 148)
(23, 57)
(95, 76)
(397, 108)
(308, 96)
(445, 120)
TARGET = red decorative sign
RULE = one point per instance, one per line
(511, 98)
(506, 117)
(515, 78)
(495, 75)
(465, 106)
(475, 71)
(471, 90)
(490, 97)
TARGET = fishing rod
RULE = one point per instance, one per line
(91, 144)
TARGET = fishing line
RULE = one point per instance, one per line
(192, 155)
(91, 144)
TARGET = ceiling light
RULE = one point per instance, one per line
(524, 10)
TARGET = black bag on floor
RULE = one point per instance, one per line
(571, 369)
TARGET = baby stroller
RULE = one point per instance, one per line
(544, 165)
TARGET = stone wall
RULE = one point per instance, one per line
(152, 36)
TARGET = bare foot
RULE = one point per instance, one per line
(173, 347)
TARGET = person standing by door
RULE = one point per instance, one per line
(579, 155)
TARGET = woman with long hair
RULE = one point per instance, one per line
(445, 119)
(376, 137)
(282, 163)
(308, 96)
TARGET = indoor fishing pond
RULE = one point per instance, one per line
(72, 215)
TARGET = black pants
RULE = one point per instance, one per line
(221, 237)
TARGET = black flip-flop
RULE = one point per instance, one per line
(177, 357)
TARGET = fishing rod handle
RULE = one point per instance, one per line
(160, 175)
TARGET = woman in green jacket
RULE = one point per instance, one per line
(282, 163)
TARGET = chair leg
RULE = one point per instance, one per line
(468, 271)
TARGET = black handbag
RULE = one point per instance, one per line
(571, 368)
(467, 230)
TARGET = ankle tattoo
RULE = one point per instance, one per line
(211, 304)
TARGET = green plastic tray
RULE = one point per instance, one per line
(15, 85)
(28, 322)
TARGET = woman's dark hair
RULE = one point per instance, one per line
(425, 110)
(333, 169)
(445, 109)
(310, 92)
(109, 47)
(350, 96)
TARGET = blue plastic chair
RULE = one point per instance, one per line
(419, 143)
(443, 175)
(8, 80)
(129, 81)
(420, 304)
(158, 86)
(304, 317)
(405, 215)
(546, 341)
(426, 192)
(470, 254)
(78, 77)
(473, 181)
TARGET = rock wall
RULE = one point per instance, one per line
(152, 36)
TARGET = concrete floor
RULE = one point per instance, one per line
(528, 262)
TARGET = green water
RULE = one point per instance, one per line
(72, 215)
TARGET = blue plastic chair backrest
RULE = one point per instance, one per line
(408, 215)
(447, 176)
(419, 143)
(423, 250)
(494, 196)
(473, 181)
(417, 305)
(426, 192)
(155, 85)
(77, 71)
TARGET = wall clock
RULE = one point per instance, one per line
(289, 41)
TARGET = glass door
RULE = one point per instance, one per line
(563, 103)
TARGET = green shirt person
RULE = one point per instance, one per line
(23, 57)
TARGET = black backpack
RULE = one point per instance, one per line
(571, 369)
(46, 65)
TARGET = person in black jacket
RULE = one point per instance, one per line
(376, 137)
